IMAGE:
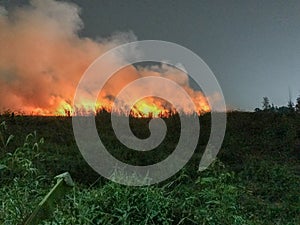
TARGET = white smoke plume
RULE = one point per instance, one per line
(42, 57)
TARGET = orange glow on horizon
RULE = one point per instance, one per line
(146, 108)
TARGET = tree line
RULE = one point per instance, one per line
(290, 107)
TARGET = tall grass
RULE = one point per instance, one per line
(254, 180)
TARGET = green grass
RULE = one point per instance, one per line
(255, 179)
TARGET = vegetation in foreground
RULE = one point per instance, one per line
(255, 179)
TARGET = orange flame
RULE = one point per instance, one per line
(151, 107)
(146, 108)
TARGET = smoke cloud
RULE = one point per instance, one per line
(42, 58)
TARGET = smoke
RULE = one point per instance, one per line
(42, 59)
(42, 56)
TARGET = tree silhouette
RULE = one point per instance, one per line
(266, 104)
(290, 105)
(298, 104)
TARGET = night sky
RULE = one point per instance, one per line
(253, 47)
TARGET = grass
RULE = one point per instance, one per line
(255, 179)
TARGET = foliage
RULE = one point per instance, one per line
(266, 103)
(298, 104)
(254, 181)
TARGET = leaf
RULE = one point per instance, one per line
(9, 139)
(2, 167)
(42, 141)
(213, 202)
(3, 124)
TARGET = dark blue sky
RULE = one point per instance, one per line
(253, 47)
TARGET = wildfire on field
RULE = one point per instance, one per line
(43, 58)
(147, 107)
(150, 106)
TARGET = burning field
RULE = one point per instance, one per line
(143, 158)
(43, 57)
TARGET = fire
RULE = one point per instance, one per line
(149, 107)
(41, 79)
(65, 109)
(146, 108)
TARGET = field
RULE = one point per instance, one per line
(255, 179)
